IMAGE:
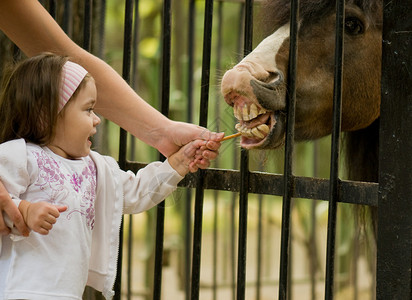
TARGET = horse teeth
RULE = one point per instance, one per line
(248, 133)
(253, 111)
(263, 128)
(236, 113)
(257, 133)
(245, 113)
(262, 111)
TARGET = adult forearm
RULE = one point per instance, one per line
(33, 30)
(25, 19)
(120, 104)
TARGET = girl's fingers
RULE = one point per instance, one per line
(46, 225)
(211, 155)
(61, 208)
(193, 167)
(213, 145)
(42, 231)
(202, 163)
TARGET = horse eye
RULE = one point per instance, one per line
(353, 26)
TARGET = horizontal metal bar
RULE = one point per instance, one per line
(353, 192)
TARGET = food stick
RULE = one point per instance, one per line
(230, 136)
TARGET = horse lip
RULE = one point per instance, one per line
(271, 96)
(275, 137)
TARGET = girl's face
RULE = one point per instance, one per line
(76, 124)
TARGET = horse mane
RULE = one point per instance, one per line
(276, 13)
(361, 153)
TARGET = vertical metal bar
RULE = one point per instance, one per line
(243, 198)
(191, 49)
(52, 8)
(135, 52)
(204, 100)
(215, 244)
(129, 259)
(135, 48)
(236, 162)
(244, 174)
(233, 244)
(284, 275)
(217, 118)
(395, 159)
(87, 29)
(313, 229)
(128, 21)
(164, 108)
(67, 17)
(259, 248)
(101, 28)
(188, 203)
(334, 166)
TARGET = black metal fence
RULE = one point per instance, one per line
(392, 196)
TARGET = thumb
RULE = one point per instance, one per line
(61, 208)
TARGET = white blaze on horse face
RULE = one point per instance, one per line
(262, 60)
(260, 64)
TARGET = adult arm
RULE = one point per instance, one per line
(33, 30)
(9, 207)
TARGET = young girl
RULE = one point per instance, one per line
(33, 30)
(74, 197)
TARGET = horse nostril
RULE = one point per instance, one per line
(275, 77)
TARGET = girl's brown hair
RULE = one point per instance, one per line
(29, 99)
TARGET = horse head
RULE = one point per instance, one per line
(256, 87)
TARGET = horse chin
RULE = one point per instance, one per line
(274, 139)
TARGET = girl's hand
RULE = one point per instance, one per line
(204, 155)
(40, 216)
(193, 156)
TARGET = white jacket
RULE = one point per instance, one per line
(118, 192)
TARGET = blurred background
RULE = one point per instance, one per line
(355, 258)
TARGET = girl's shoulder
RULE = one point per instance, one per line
(17, 146)
(13, 147)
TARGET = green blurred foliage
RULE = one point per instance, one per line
(310, 158)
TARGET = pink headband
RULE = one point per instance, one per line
(72, 75)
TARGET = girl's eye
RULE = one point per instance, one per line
(90, 110)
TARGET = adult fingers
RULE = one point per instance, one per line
(213, 145)
(15, 216)
(4, 230)
(216, 136)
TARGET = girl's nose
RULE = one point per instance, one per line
(96, 119)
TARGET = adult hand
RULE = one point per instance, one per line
(177, 134)
(9, 208)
